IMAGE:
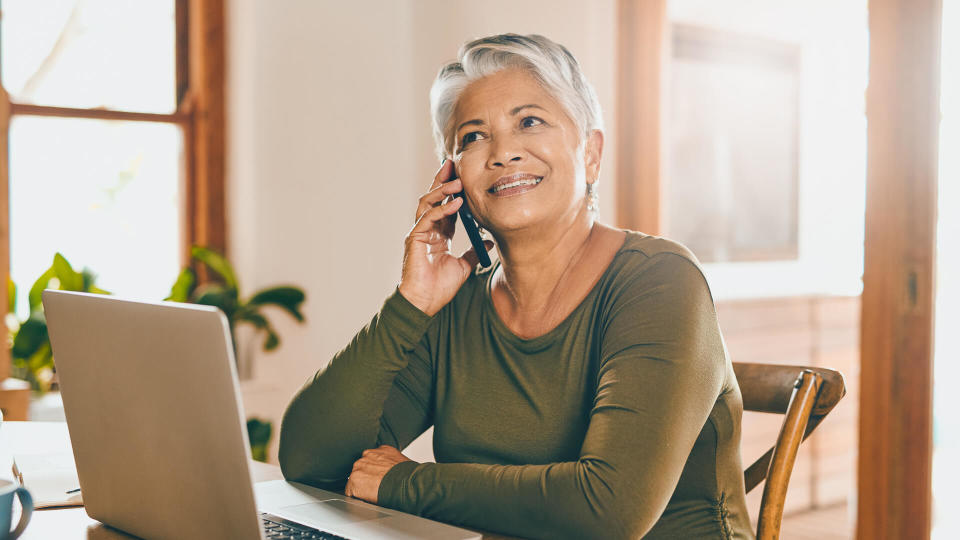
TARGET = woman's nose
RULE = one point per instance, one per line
(504, 151)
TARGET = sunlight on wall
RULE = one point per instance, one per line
(946, 421)
(833, 42)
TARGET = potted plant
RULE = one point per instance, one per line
(225, 294)
(29, 342)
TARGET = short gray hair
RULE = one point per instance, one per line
(550, 63)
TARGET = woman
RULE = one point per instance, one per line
(579, 387)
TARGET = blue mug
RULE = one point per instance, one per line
(7, 491)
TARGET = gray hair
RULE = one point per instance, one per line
(550, 63)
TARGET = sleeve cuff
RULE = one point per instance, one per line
(404, 318)
(393, 485)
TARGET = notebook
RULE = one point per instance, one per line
(51, 479)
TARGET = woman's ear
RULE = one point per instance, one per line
(592, 153)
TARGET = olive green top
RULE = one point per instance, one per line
(624, 420)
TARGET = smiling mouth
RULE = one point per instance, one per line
(515, 186)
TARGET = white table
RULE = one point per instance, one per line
(73, 523)
(67, 523)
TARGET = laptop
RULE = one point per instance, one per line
(159, 436)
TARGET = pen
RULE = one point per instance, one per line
(74, 490)
(16, 472)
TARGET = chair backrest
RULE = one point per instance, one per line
(804, 395)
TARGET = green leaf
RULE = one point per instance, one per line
(11, 296)
(252, 317)
(70, 280)
(217, 262)
(31, 336)
(215, 294)
(259, 433)
(89, 278)
(41, 358)
(273, 340)
(40, 366)
(181, 290)
(89, 282)
(38, 286)
(288, 298)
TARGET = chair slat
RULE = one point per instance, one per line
(805, 395)
(768, 387)
(785, 454)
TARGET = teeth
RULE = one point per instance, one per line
(525, 182)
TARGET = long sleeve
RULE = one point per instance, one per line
(374, 391)
(661, 370)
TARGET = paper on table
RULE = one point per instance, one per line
(48, 477)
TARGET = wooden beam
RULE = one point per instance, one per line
(5, 360)
(641, 48)
(903, 98)
(96, 114)
(205, 219)
(182, 52)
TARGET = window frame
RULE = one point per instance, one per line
(713, 47)
(200, 113)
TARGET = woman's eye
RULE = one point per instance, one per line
(530, 121)
(473, 136)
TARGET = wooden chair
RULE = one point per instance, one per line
(804, 395)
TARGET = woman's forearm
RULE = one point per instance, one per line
(580, 499)
(336, 415)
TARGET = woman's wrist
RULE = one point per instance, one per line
(392, 485)
(417, 300)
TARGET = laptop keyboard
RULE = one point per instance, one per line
(278, 528)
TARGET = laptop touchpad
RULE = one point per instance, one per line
(324, 512)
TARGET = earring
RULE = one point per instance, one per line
(593, 199)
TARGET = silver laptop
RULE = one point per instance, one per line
(158, 431)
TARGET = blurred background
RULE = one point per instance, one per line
(326, 146)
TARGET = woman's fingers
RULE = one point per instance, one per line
(470, 255)
(430, 218)
(436, 195)
(444, 173)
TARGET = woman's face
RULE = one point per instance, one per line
(521, 158)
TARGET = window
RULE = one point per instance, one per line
(764, 144)
(732, 149)
(112, 134)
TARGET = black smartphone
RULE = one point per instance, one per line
(473, 231)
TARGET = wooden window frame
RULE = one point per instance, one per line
(894, 495)
(895, 452)
(200, 112)
(641, 43)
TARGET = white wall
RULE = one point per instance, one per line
(330, 146)
(833, 40)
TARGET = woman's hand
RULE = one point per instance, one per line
(432, 275)
(369, 470)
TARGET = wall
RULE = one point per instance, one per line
(833, 39)
(822, 331)
(330, 146)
